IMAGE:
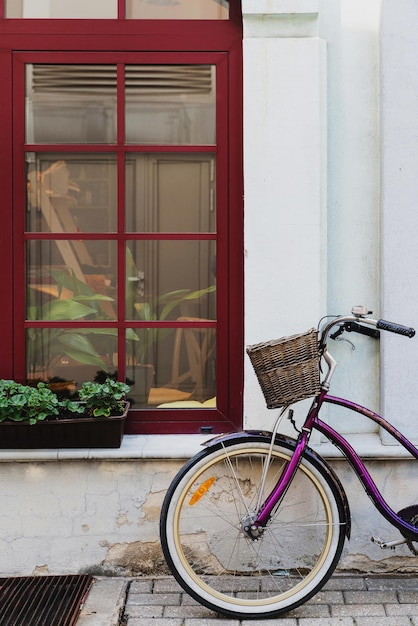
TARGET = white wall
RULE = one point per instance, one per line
(284, 178)
(330, 217)
(312, 180)
(399, 127)
(82, 516)
(101, 516)
(351, 30)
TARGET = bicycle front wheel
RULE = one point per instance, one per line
(202, 529)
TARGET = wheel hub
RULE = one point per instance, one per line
(250, 528)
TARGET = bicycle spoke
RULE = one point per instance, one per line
(216, 559)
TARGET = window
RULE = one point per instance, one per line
(133, 9)
(127, 221)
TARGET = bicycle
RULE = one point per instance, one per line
(254, 525)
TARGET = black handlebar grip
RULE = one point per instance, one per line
(396, 328)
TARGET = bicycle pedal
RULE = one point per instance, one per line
(387, 544)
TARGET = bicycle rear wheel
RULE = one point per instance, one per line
(217, 563)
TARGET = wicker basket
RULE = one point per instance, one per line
(288, 368)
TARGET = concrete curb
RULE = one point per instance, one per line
(105, 603)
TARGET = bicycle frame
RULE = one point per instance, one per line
(313, 422)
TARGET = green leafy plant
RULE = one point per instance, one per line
(155, 309)
(86, 346)
(96, 346)
(159, 309)
(104, 399)
(23, 403)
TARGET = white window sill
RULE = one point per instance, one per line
(182, 447)
(367, 446)
(133, 447)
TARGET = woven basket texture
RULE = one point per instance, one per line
(288, 368)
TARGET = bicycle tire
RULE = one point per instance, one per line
(217, 564)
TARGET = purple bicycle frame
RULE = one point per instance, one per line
(313, 422)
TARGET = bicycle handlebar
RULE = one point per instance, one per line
(359, 322)
(392, 327)
(356, 322)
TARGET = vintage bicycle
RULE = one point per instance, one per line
(254, 524)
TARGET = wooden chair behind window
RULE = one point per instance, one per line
(192, 350)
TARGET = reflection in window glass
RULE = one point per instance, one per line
(172, 365)
(178, 9)
(108, 9)
(72, 193)
(94, 9)
(170, 279)
(60, 287)
(70, 103)
(170, 193)
(170, 104)
(70, 354)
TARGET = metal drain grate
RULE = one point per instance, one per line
(42, 600)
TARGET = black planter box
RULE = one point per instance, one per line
(84, 432)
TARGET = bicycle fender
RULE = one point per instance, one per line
(310, 454)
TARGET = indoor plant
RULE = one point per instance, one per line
(34, 417)
(85, 346)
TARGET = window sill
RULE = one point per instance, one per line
(367, 445)
(183, 447)
(133, 447)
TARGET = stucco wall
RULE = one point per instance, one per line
(399, 136)
(284, 177)
(72, 516)
(103, 516)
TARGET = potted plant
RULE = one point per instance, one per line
(94, 348)
(90, 347)
(154, 309)
(34, 417)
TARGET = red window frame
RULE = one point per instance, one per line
(113, 41)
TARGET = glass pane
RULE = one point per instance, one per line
(96, 9)
(170, 279)
(70, 103)
(71, 193)
(174, 367)
(170, 193)
(60, 288)
(178, 9)
(70, 354)
(170, 104)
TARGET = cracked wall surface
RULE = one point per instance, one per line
(103, 517)
(79, 515)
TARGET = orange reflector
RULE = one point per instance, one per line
(204, 488)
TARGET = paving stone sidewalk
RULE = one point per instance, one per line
(344, 601)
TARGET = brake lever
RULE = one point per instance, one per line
(338, 332)
(354, 327)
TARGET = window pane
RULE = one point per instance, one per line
(170, 193)
(70, 193)
(62, 8)
(170, 279)
(72, 354)
(60, 288)
(70, 103)
(174, 365)
(170, 104)
(178, 9)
